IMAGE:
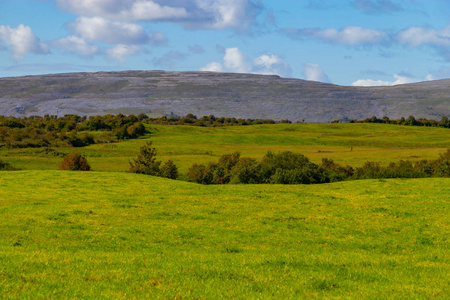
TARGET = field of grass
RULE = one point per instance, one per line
(117, 235)
(351, 144)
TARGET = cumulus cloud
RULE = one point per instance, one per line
(21, 41)
(212, 14)
(376, 6)
(213, 67)
(350, 35)
(399, 79)
(237, 61)
(75, 44)
(417, 36)
(119, 52)
(113, 32)
(314, 72)
(270, 64)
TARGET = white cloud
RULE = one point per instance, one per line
(112, 32)
(75, 44)
(314, 72)
(221, 14)
(125, 10)
(119, 52)
(350, 35)
(417, 36)
(213, 67)
(270, 64)
(21, 40)
(399, 79)
(236, 61)
(212, 14)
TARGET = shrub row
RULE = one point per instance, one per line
(293, 168)
(410, 121)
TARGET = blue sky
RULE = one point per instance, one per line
(345, 42)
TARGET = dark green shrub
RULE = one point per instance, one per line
(246, 170)
(369, 170)
(335, 171)
(442, 165)
(75, 162)
(4, 166)
(199, 173)
(169, 170)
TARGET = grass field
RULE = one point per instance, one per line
(122, 236)
(108, 234)
(351, 144)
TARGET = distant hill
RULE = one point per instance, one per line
(219, 94)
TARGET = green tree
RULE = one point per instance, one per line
(146, 162)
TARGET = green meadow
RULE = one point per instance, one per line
(117, 235)
(349, 143)
(108, 234)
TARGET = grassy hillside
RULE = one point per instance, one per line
(118, 235)
(351, 144)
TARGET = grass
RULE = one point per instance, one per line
(351, 144)
(118, 235)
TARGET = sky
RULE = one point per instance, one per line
(344, 42)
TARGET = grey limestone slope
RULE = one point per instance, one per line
(219, 94)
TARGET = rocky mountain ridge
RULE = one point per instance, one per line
(220, 94)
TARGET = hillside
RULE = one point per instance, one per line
(219, 94)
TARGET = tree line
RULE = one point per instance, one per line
(70, 130)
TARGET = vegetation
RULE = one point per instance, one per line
(346, 144)
(120, 235)
(5, 166)
(147, 164)
(410, 121)
(70, 130)
(75, 162)
(76, 131)
(293, 168)
(124, 235)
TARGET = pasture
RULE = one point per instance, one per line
(115, 235)
(351, 144)
(108, 234)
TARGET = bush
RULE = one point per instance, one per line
(75, 162)
(442, 165)
(247, 170)
(199, 173)
(4, 166)
(169, 170)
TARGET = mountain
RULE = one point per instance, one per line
(220, 94)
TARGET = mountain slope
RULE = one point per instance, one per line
(219, 94)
